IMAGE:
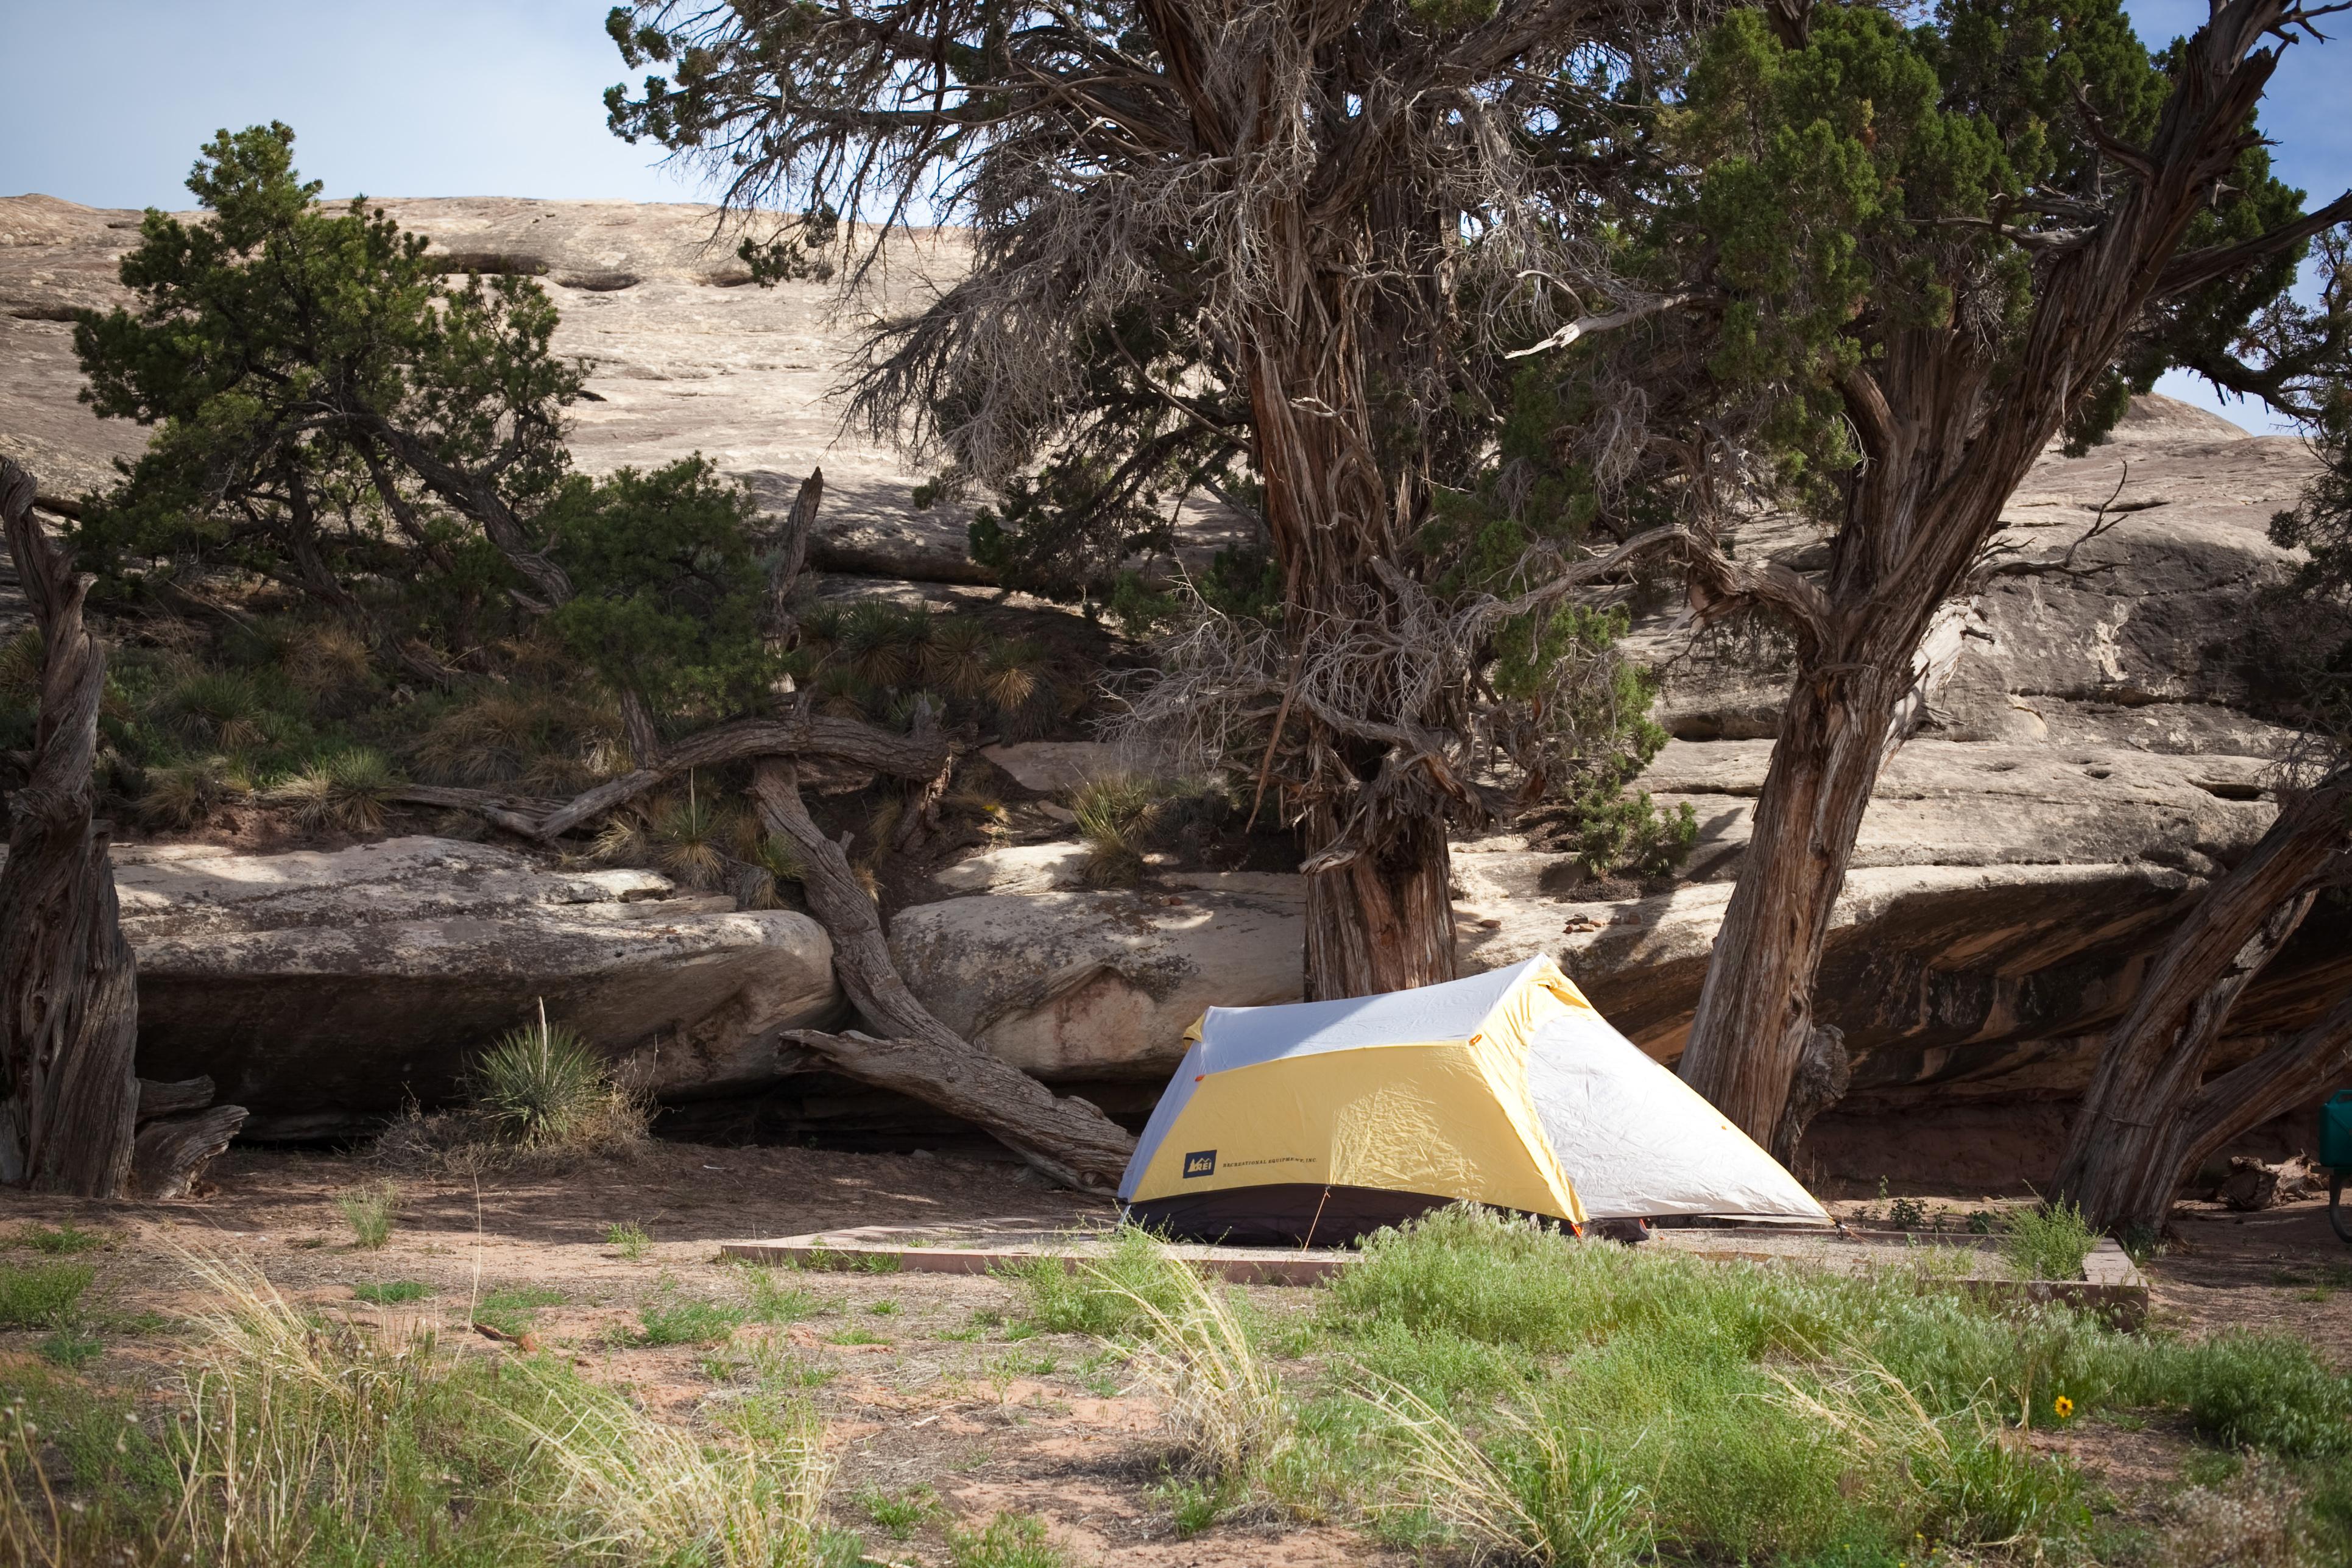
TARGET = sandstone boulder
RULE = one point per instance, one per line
(323, 990)
(1085, 986)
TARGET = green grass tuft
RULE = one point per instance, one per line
(1007, 1541)
(775, 1303)
(630, 1239)
(689, 1323)
(1107, 1296)
(70, 1350)
(370, 1212)
(513, 1309)
(899, 1514)
(391, 1292)
(65, 1241)
(41, 1295)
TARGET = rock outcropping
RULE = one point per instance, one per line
(685, 354)
(325, 990)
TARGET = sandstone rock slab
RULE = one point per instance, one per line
(1099, 985)
(324, 989)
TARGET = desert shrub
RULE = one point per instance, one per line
(2264, 1390)
(324, 659)
(311, 1444)
(349, 790)
(186, 794)
(2048, 1241)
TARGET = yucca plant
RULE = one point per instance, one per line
(842, 693)
(1116, 817)
(324, 659)
(773, 861)
(348, 790)
(882, 645)
(539, 1083)
(215, 707)
(692, 838)
(956, 659)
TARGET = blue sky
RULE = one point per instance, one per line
(108, 101)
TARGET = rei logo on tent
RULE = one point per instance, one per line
(1200, 1163)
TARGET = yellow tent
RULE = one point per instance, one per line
(1322, 1120)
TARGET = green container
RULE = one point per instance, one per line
(2336, 1132)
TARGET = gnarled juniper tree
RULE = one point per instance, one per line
(1272, 247)
(1897, 261)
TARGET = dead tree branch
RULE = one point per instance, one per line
(1066, 1137)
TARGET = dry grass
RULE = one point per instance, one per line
(1222, 1398)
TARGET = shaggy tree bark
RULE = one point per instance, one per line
(68, 996)
(1943, 444)
(2149, 1117)
(180, 1132)
(1276, 195)
(1061, 1136)
(792, 553)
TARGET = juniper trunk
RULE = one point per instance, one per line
(1755, 1026)
(68, 1000)
(2149, 1117)
(1379, 920)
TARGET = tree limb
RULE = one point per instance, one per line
(1066, 1137)
(2198, 267)
(915, 756)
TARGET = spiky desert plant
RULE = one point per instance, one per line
(773, 861)
(325, 658)
(956, 659)
(1116, 817)
(842, 693)
(538, 1083)
(348, 790)
(185, 795)
(215, 707)
(690, 839)
(882, 644)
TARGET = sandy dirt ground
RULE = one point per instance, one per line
(924, 1381)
